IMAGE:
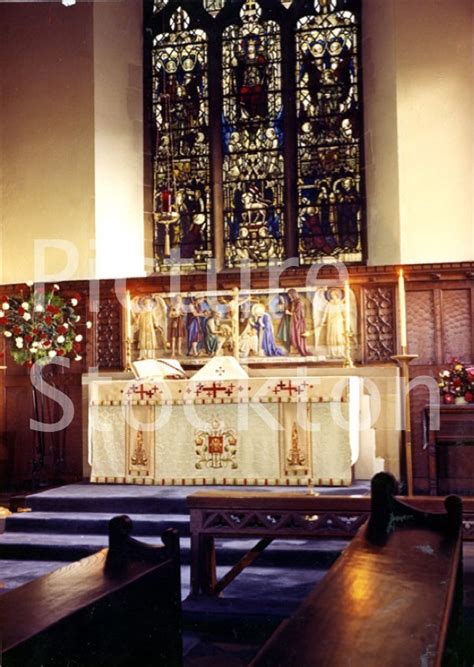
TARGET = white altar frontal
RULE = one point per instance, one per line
(248, 431)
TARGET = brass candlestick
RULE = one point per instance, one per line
(403, 360)
(128, 354)
(348, 363)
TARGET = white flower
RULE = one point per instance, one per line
(60, 339)
(78, 317)
(74, 302)
(30, 283)
(26, 316)
(5, 305)
(88, 324)
(56, 286)
(78, 338)
(66, 325)
(25, 305)
(33, 350)
(7, 334)
(39, 308)
(19, 341)
(77, 357)
(52, 353)
(446, 374)
(2, 314)
(35, 344)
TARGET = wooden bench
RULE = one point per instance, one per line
(387, 600)
(266, 516)
(120, 606)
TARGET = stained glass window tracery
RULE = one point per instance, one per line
(226, 160)
(181, 166)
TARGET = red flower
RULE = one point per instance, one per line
(21, 310)
(448, 398)
(60, 352)
(469, 397)
(62, 329)
(48, 319)
(52, 309)
(457, 382)
(16, 330)
(28, 338)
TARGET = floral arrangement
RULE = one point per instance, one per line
(457, 382)
(40, 325)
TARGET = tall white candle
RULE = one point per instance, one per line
(128, 318)
(347, 307)
(402, 309)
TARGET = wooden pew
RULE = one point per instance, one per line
(387, 600)
(120, 606)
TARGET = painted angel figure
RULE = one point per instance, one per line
(149, 323)
(329, 319)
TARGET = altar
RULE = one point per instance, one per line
(252, 431)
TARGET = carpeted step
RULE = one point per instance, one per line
(93, 523)
(14, 573)
(71, 546)
(135, 499)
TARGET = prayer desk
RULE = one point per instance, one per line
(267, 515)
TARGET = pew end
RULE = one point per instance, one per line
(120, 606)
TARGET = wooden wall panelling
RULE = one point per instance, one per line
(456, 324)
(421, 325)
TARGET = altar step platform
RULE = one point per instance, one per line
(71, 522)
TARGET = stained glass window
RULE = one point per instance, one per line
(257, 151)
(214, 6)
(180, 102)
(159, 4)
(253, 141)
(329, 186)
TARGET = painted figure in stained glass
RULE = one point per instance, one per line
(329, 219)
(251, 78)
(252, 140)
(181, 183)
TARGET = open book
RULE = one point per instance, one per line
(144, 369)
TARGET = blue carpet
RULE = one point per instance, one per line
(70, 522)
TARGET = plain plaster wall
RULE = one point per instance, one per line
(118, 137)
(71, 134)
(418, 98)
(47, 140)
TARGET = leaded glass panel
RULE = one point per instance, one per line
(214, 6)
(159, 4)
(252, 139)
(329, 186)
(181, 162)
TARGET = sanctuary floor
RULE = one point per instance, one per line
(70, 522)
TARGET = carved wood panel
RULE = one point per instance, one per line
(378, 322)
(421, 326)
(109, 352)
(457, 324)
